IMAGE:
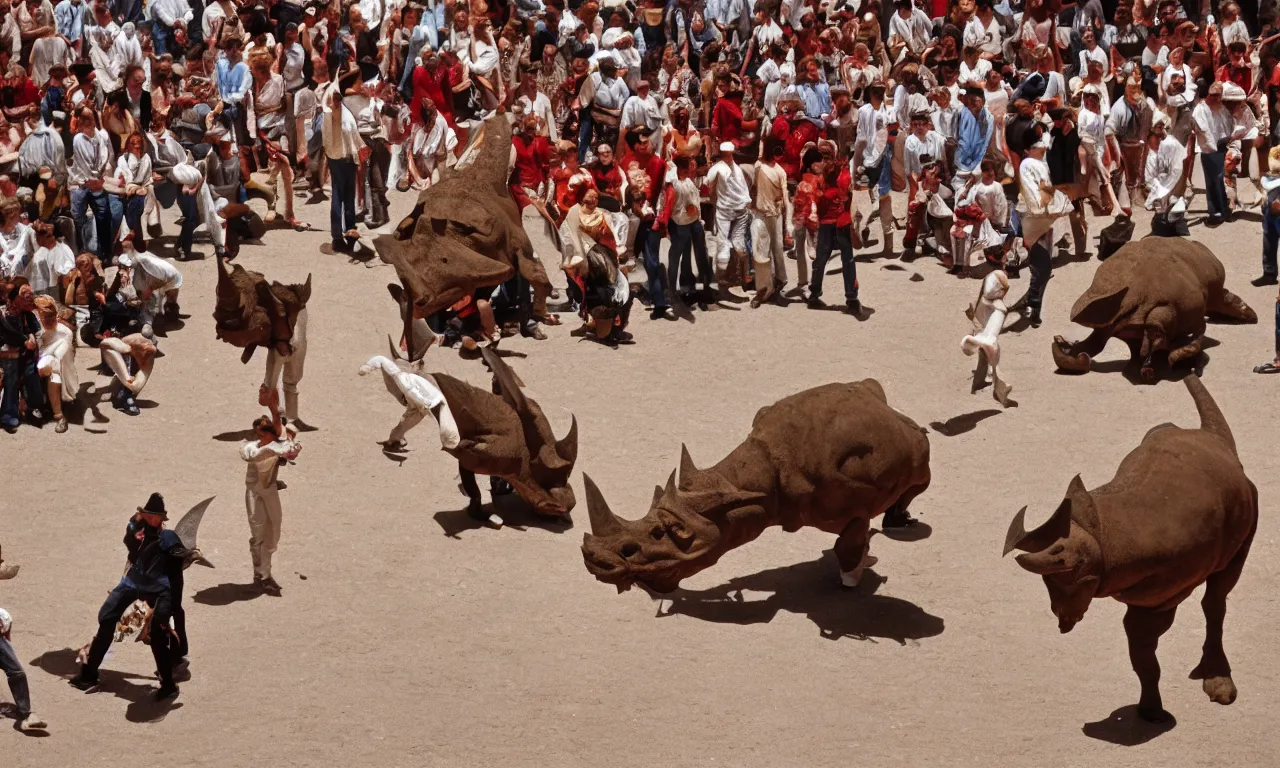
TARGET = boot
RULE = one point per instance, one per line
(1033, 316)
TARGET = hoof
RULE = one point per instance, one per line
(1154, 714)
(1220, 689)
(1065, 360)
(851, 578)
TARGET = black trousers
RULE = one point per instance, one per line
(179, 647)
(1041, 264)
(109, 615)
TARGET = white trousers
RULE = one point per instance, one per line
(766, 241)
(291, 367)
(263, 508)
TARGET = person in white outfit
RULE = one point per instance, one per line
(261, 493)
(155, 280)
(57, 359)
(287, 361)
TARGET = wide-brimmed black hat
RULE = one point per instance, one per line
(155, 506)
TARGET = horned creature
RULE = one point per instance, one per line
(465, 233)
(832, 458)
(1154, 294)
(251, 313)
(1179, 513)
(502, 434)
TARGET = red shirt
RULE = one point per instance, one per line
(656, 169)
(1242, 77)
(794, 137)
(726, 121)
(833, 201)
(607, 180)
(532, 159)
(426, 86)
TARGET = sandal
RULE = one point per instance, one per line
(550, 319)
(1266, 368)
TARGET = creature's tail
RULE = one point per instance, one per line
(1211, 419)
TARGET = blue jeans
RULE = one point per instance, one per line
(584, 134)
(133, 208)
(19, 373)
(342, 197)
(1278, 328)
(1270, 239)
(17, 679)
(163, 39)
(1215, 189)
(831, 236)
(191, 220)
(650, 243)
(108, 212)
(686, 238)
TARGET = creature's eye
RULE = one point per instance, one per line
(657, 534)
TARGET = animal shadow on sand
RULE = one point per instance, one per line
(809, 589)
(965, 422)
(515, 513)
(1132, 372)
(1125, 728)
(226, 594)
(142, 708)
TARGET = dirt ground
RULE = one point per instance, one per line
(406, 636)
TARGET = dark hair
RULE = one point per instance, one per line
(264, 422)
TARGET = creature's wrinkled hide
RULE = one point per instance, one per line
(858, 457)
(1180, 512)
(465, 233)
(250, 313)
(1155, 294)
(501, 435)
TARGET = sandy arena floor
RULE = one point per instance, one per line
(406, 636)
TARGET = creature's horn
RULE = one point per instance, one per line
(1056, 527)
(688, 472)
(567, 447)
(603, 521)
(304, 294)
(395, 351)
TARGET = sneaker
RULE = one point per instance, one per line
(10, 425)
(816, 302)
(61, 425)
(84, 683)
(854, 308)
(36, 415)
(32, 722)
(166, 691)
(131, 406)
(271, 585)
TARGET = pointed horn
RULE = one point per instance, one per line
(305, 293)
(603, 521)
(657, 495)
(1211, 418)
(1056, 527)
(567, 447)
(688, 472)
(395, 351)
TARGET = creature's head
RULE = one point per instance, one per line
(677, 537)
(1065, 551)
(250, 313)
(463, 234)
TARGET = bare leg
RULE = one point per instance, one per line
(1144, 628)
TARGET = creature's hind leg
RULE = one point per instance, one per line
(852, 551)
(1188, 351)
(1144, 627)
(1231, 307)
(1214, 669)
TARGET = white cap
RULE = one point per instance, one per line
(1093, 89)
(6, 622)
(1232, 92)
(727, 146)
(1160, 119)
(1044, 143)
(124, 261)
(185, 174)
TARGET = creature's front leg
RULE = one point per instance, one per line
(853, 551)
(1144, 627)
(1078, 357)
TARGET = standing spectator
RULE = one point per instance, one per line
(19, 341)
(1214, 129)
(834, 225)
(342, 145)
(262, 496)
(769, 229)
(730, 197)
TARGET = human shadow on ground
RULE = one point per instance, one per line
(1126, 728)
(918, 532)
(810, 589)
(226, 594)
(965, 422)
(142, 707)
(235, 436)
(513, 510)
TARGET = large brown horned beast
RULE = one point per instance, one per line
(832, 458)
(1154, 294)
(251, 313)
(464, 234)
(1179, 513)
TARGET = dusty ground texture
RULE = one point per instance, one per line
(405, 636)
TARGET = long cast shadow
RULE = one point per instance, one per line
(965, 422)
(812, 590)
(226, 594)
(515, 513)
(142, 708)
(1126, 728)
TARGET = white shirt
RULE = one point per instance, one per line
(48, 267)
(730, 185)
(987, 39)
(16, 250)
(873, 132)
(150, 271)
(1163, 171)
(541, 106)
(1212, 126)
(610, 95)
(263, 464)
(933, 144)
(975, 75)
(341, 136)
(90, 158)
(915, 32)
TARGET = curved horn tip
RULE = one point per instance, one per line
(603, 521)
(1076, 484)
(1017, 532)
(395, 352)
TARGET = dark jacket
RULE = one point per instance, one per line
(153, 554)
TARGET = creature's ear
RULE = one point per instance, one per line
(873, 386)
(508, 382)
(1044, 563)
(304, 292)
(1092, 312)
(493, 162)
